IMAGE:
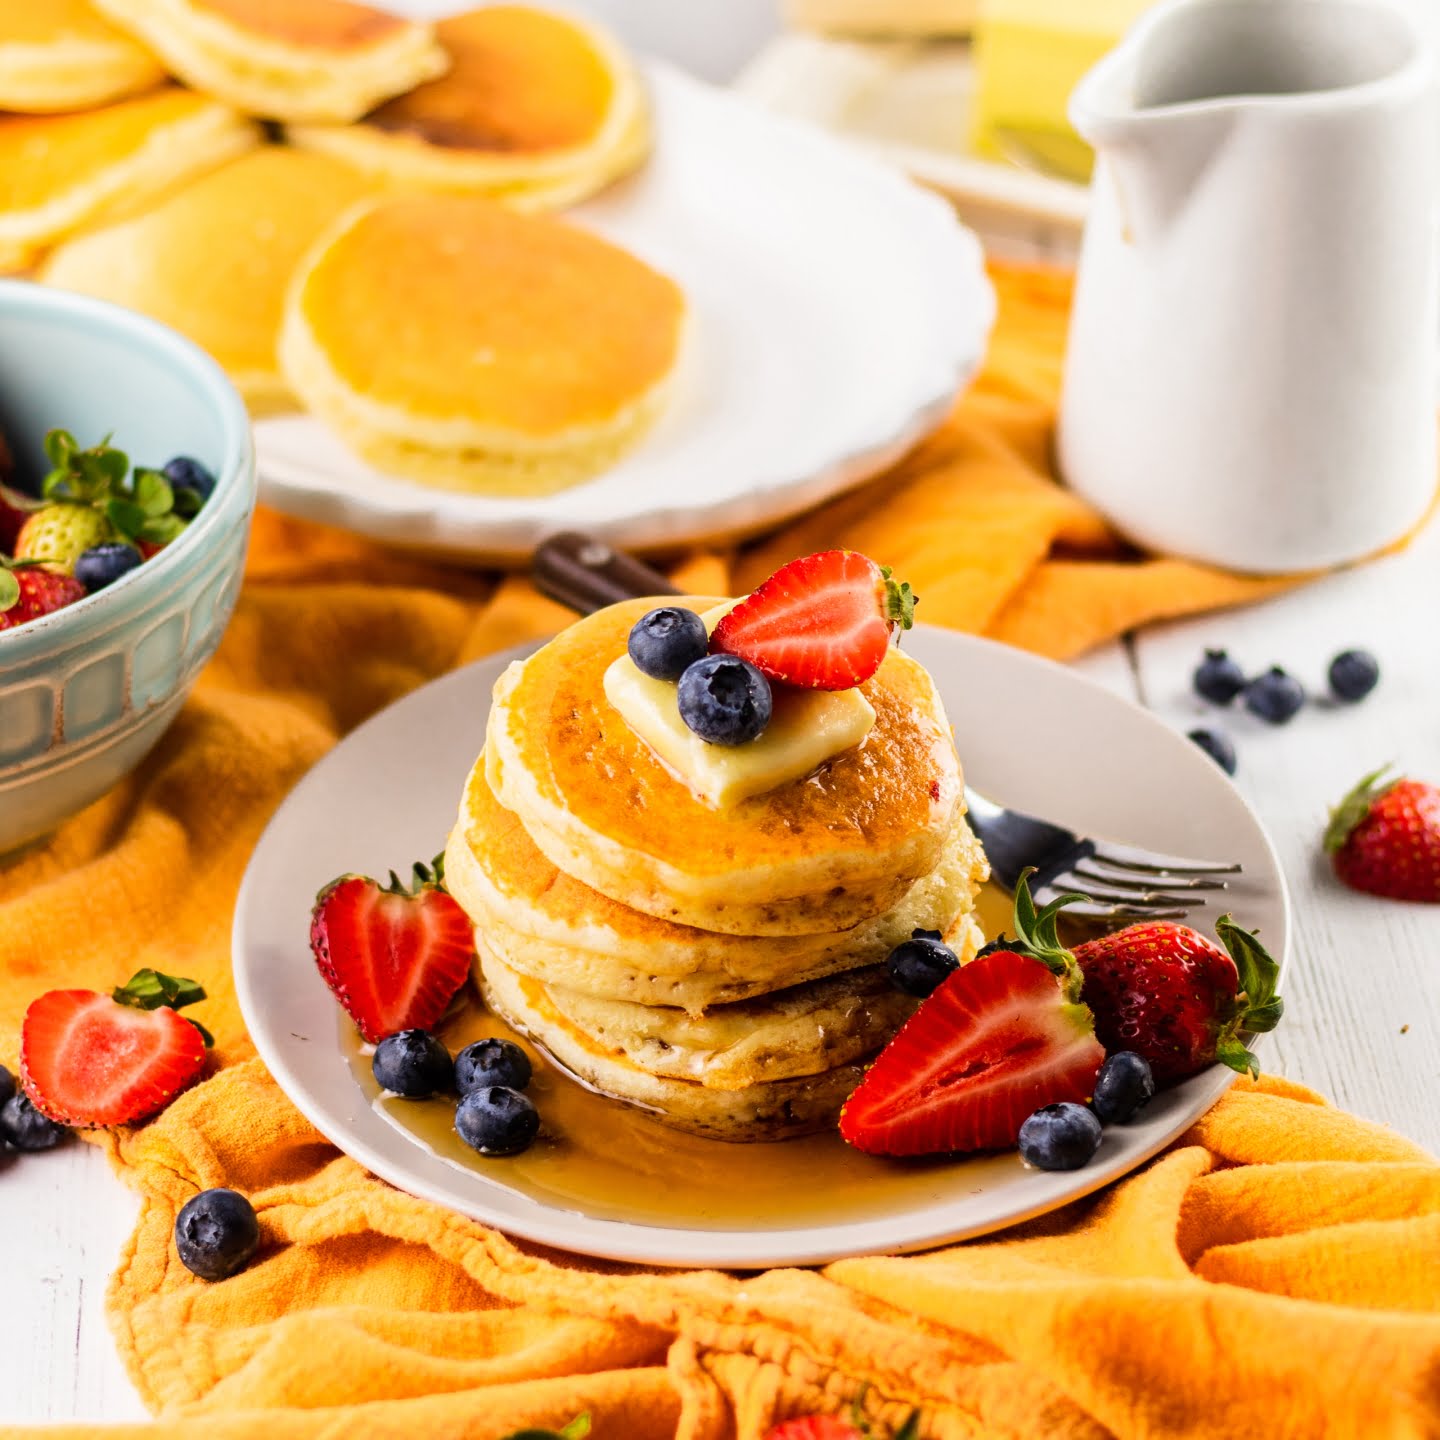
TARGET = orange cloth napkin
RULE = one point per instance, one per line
(1274, 1274)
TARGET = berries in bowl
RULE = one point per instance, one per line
(121, 566)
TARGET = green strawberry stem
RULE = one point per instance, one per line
(140, 506)
(1037, 935)
(577, 1429)
(1355, 807)
(898, 600)
(1257, 1007)
(424, 877)
(154, 990)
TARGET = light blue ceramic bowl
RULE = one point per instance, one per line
(86, 692)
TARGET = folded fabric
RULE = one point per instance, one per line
(1277, 1273)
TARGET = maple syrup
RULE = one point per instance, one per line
(612, 1161)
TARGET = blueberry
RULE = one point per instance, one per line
(1001, 942)
(1218, 678)
(26, 1128)
(1353, 674)
(1275, 696)
(1059, 1137)
(919, 964)
(1218, 746)
(725, 700)
(413, 1063)
(496, 1120)
(7, 1085)
(103, 565)
(216, 1234)
(491, 1062)
(1122, 1088)
(664, 643)
(192, 483)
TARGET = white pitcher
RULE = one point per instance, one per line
(1251, 378)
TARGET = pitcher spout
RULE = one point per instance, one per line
(1165, 110)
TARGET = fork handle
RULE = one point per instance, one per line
(587, 574)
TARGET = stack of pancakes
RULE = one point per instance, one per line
(720, 967)
(172, 199)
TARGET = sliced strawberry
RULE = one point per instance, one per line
(394, 957)
(998, 1039)
(823, 622)
(88, 1059)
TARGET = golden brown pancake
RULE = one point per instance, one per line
(60, 55)
(59, 173)
(215, 258)
(316, 60)
(815, 855)
(453, 341)
(537, 108)
(771, 1110)
(548, 925)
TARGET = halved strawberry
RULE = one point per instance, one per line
(998, 1039)
(823, 622)
(393, 956)
(88, 1059)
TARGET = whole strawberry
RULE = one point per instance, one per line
(1384, 838)
(393, 956)
(58, 534)
(1171, 995)
(15, 509)
(29, 591)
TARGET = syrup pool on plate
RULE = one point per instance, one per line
(614, 1162)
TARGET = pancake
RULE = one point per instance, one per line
(300, 60)
(537, 109)
(62, 55)
(214, 259)
(805, 1030)
(816, 855)
(59, 173)
(548, 925)
(452, 341)
(772, 1110)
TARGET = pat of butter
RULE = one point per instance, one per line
(807, 728)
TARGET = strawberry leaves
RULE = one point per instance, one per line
(9, 588)
(577, 1429)
(141, 506)
(154, 990)
(1257, 1007)
(1355, 807)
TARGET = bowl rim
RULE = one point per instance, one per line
(236, 471)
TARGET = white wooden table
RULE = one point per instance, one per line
(1362, 1019)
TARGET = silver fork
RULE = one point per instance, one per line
(1123, 883)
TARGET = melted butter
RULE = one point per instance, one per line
(612, 1161)
(807, 728)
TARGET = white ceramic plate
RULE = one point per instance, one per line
(1032, 734)
(836, 310)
